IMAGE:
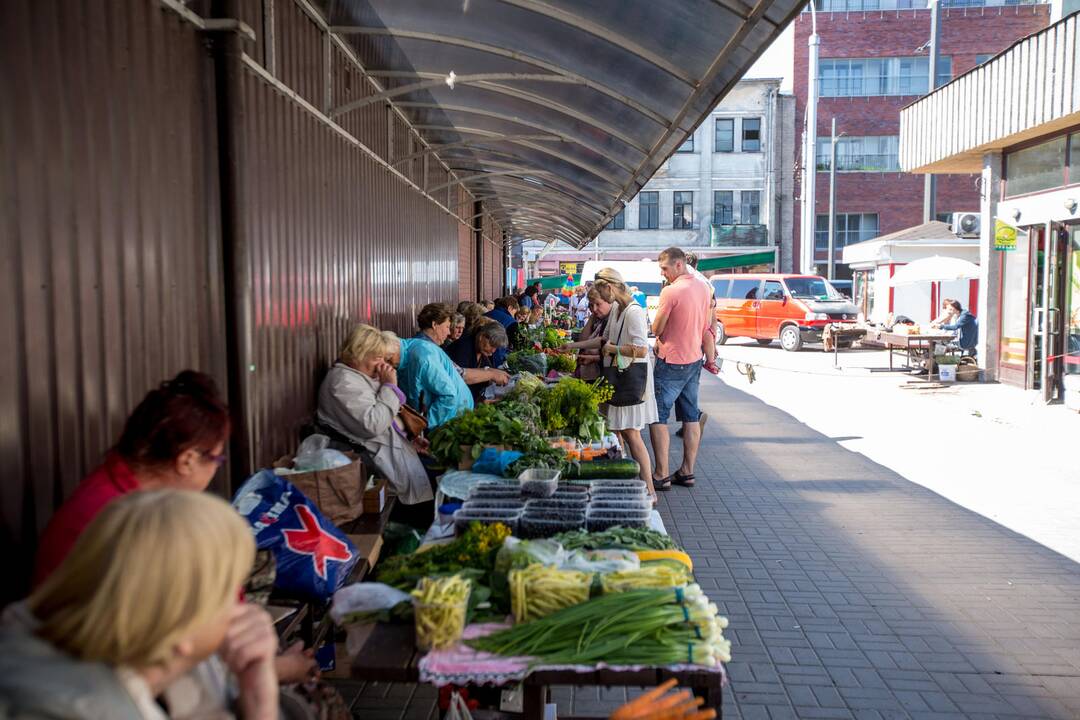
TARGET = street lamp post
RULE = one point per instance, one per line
(809, 220)
(832, 201)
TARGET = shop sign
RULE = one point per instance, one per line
(1004, 236)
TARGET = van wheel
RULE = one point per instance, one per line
(721, 336)
(764, 342)
(790, 339)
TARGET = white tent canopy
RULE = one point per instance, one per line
(935, 269)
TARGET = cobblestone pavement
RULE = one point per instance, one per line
(852, 593)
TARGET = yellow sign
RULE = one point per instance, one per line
(1004, 236)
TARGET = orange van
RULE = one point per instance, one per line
(766, 307)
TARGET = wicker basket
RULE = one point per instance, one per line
(967, 370)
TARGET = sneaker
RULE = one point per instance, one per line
(712, 367)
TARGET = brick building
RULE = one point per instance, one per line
(872, 64)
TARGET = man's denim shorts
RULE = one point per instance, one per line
(677, 385)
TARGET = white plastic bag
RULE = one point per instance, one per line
(314, 454)
(458, 709)
(601, 561)
(352, 602)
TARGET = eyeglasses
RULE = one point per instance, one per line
(216, 459)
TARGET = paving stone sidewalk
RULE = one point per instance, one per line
(852, 593)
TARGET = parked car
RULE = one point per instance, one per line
(766, 307)
(844, 287)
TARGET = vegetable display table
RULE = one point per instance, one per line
(387, 653)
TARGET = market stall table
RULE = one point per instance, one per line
(921, 346)
(387, 653)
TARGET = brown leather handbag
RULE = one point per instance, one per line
(412, 421)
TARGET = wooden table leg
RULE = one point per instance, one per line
(532, 707)
(713, 695)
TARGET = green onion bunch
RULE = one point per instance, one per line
(668, 626)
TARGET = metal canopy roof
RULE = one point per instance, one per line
(554, 112)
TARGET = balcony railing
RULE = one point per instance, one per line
(739, 236)
(875, 5)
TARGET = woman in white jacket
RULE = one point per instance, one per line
(361, 400)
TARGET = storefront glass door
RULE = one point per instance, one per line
(1048, 312)
(1015, 298)
(1072, 306)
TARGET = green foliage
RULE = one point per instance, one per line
(487, 425)
(572, 407)
(564, 363)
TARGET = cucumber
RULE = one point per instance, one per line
(624, 469)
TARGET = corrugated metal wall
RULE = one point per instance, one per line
(330, 238)
(111, 278)
(138, 240)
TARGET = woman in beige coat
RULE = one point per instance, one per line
(361, 400)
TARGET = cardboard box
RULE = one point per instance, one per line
(368, 547)
(375, 497)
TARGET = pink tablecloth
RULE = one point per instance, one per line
(462, 665)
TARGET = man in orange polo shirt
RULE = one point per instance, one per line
(679, 323)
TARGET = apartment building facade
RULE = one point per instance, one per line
(727, 191)
(873, 62)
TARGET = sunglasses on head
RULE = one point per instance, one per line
(214, 458)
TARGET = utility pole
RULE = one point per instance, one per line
(810, 145)
(832, 202)
(930, 181)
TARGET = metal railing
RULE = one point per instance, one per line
(739, 235)
(875, 5)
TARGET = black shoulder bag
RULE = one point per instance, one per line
(630, 383)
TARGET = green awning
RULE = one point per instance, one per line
(765, 257)
(551, 282)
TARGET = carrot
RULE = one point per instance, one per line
(678, 711)
(637, 705)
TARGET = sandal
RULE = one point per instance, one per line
(663, 484)
(684, 480)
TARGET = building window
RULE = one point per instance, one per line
(983, 58)
(682, 217)
(688, 146)
(944, 70)
(725, 135)
(1040, 167)
(649, 210)
(945, 217)
(751, 135)
(750, 212)
(867, 77)
(1074, 177)
(618, 222)
(723, 207)
(850, 229)
(871, 153)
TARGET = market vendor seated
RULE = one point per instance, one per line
(142, 620)
(360, 399)
(965, 326)
(477, 349)
(504, 313)
(948, 314)
(432, 382)
(175, 438)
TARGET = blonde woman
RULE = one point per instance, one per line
(625, 335)
(360, 399)
(134, 615)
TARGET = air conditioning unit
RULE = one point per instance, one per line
(966, 224)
